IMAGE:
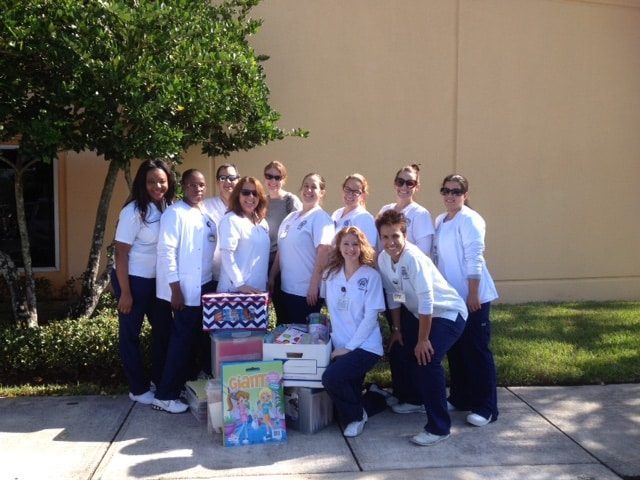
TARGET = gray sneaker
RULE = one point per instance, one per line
(169, 406)
(355, 428)
(426, 439)
(145, 398)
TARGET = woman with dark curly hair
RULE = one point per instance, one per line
(134, 276)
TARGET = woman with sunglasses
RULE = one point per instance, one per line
(304, 242)
(280, 204)
(353, 291)
(244, 240)
(226, 178)
(419, 231)
(459, 255)
(354, 212)
(419, 223)
(134, 276)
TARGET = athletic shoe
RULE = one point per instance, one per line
(355, 428)
(426, 439)
(408, 408)
(478, 420)
(451, 407)
(390, 399)
(145, 398)
(169, 406)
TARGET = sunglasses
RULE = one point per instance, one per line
(401, 182)
(231, 178)
(277, 178)
(458, 192)
(246, 193)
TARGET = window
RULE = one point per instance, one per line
(40, 200)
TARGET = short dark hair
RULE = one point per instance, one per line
(391, 217)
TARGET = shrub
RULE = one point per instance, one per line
(66, 351)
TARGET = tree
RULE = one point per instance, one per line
(132, 79)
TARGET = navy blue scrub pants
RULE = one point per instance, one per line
(472, 368)
(295, 308)
(185, 331)
(143, 292)
(430, 379)
(343, 380)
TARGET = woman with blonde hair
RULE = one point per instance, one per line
(353, 291)
(304, 242)
(354, 212)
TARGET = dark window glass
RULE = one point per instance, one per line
(39, 204)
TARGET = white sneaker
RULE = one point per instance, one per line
(408, 408)
(355, 428)
(478, 420)
(145, 398)
(390, 399)
(426, 439)
(170, 406)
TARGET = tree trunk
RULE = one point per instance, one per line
(92, 286)
(9, 272)
(21, 217)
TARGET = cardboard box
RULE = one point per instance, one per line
(303, 364)
(308, 410)
(228, 346)
(235, 311)
(253, 403)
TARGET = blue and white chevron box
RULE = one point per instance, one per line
(235, 311)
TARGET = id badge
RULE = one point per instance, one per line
(343, 303)
(399, 297)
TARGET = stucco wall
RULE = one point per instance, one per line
(537, 102)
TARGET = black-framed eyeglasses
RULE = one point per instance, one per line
(231, 178)
(355, 193)
(277, 178)
(458, 192)
(401, 182)
(246, 192)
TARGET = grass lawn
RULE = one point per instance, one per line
(561, 344)
(534, 344)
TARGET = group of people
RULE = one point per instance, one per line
(431, 281)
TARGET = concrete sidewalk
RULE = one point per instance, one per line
(590, 432)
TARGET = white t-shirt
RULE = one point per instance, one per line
(299, 236)
(419, 225)
(187, 240)
(142, 236)
(416, 282)
(459, 253)
(217, 209)
(244, 251)
(358, 217)
(353, 306)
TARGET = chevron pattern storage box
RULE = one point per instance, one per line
(235, 311)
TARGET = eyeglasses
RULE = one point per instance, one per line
(277, 178)
(401, 182)
(458, 192)
(231, 178)
(355, 193)
(246, 193)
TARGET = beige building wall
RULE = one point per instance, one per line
(537, 102)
